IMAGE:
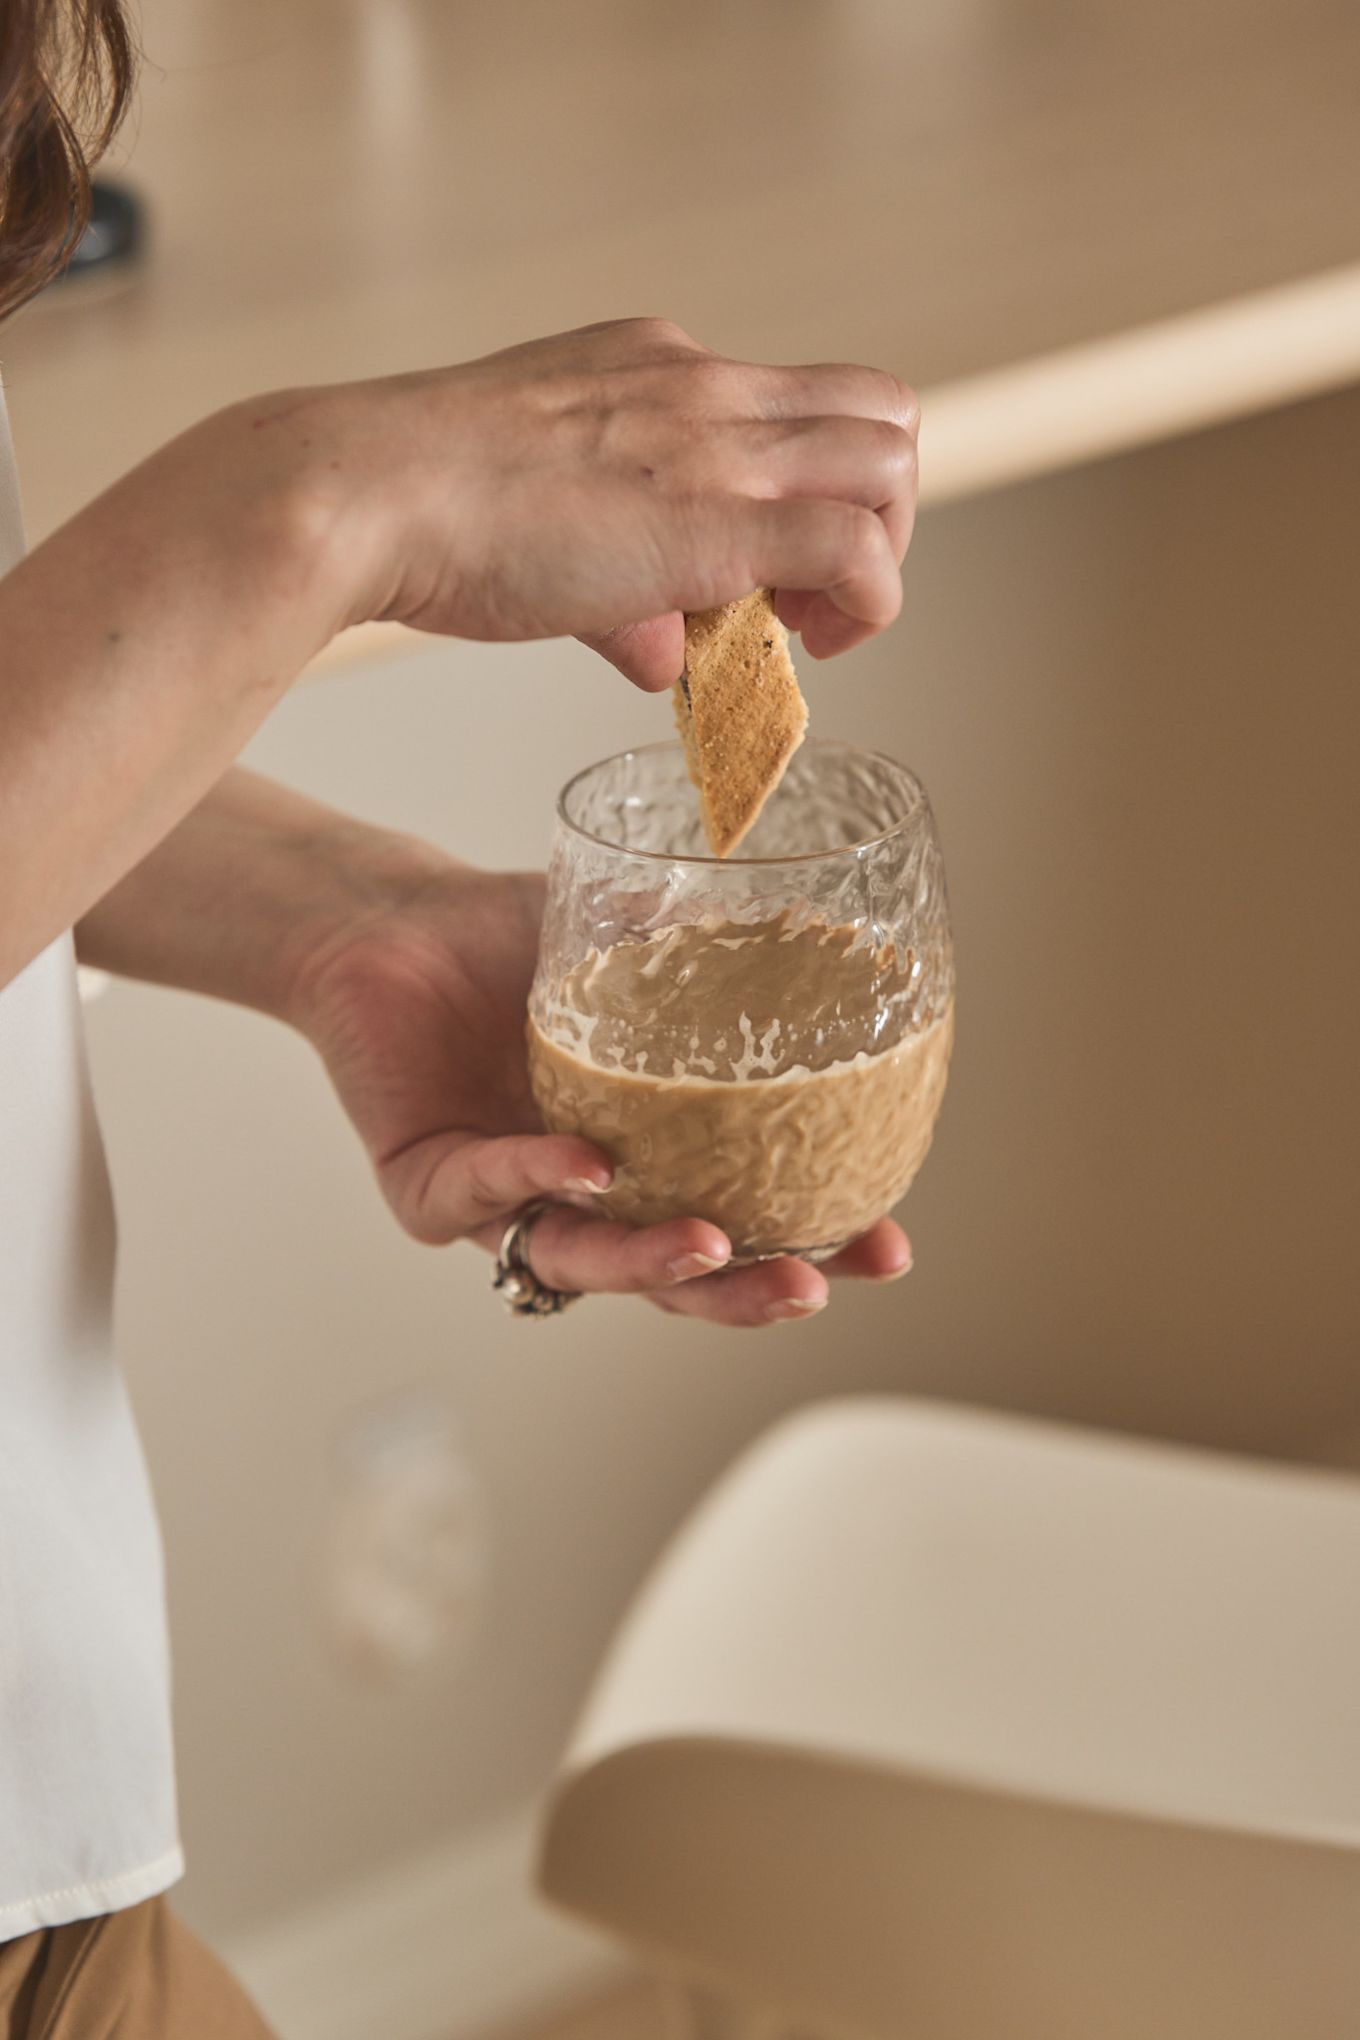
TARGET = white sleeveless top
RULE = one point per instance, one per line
(87, 1794)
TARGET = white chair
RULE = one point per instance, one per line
(935, 1725)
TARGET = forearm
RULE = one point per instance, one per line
(140, 647)
(242, 895)
(614, 476)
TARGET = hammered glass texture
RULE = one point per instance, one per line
(662, 1028)
(848, 840)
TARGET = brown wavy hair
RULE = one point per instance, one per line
(66, 73)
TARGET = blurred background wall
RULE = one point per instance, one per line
(1131, 689)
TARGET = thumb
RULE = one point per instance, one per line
(650, 654)
(447, 1185)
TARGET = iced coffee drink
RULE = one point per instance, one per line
(760, 1041)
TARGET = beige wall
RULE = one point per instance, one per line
(1133, 693)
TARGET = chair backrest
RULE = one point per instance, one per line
(933, 1723)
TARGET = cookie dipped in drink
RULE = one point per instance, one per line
(760, 1040)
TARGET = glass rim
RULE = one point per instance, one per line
(916, 790)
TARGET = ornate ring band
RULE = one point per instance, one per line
(520, 1289)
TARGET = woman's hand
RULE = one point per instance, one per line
(599, 483)
(415, 999)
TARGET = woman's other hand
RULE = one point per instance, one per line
(415, 1000)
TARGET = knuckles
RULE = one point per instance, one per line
(877, 391)
(861, 555)
(897, 451)
(857, 543)
(654, 334)
(909, 416)
(897, 401)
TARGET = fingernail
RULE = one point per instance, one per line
(794, 1307)
(585, 1184)
(896, 1274)
(690, 1265)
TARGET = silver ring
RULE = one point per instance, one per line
(520, 1289)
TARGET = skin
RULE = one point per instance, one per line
(597, 484)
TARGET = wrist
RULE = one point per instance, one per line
(246, 899)
(352, 885)
(288, 464)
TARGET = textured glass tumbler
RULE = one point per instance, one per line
(760, 1040)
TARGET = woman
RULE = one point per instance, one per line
(598, 483)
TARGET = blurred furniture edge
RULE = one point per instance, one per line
(1104, 397)
(948, 1723)
(448, 1944)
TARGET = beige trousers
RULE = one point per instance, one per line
(133, 1975)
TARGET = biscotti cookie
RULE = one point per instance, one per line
(739, 710)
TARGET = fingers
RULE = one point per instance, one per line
(820, 509)
(849, 434)
(454, 1186)
(851, 460)
(811, 390)
(754, 475)
(880, 1255)
(739, 542)
(649, 654)
(839, 387)
(681, 1266)
(791, 605)
(840, 550)
(827, 449)
(786, 1291)
(473, 1187)
(451, 1185)
(578, 1250)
